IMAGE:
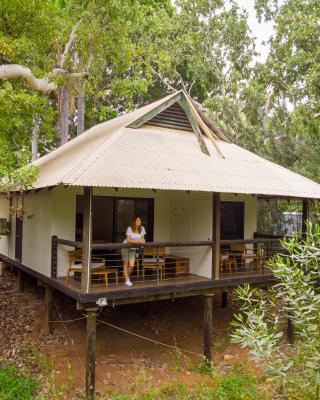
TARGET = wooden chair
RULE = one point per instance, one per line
(227, 260)
(153, 258)
(245, 254)
(98, 266)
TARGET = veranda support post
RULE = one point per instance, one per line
(305, 217)
(216, 205)
(91, 352)
(86, 239)
(207, 337)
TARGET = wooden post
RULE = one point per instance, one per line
(91, 352)
(54, 256)
(2, 268)
(47, 310)
(86, 239)
(305, 218)
(224, 299)
(207, 338)
(216, 236)
(290, 331)
(20, 281)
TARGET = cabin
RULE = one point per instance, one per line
(195, 191)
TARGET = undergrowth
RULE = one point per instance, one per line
(235, 386)
(16, 384)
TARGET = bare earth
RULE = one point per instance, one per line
(125, 364)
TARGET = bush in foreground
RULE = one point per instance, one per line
(296, 297)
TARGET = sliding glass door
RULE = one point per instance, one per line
(112, 216)
(126, 210)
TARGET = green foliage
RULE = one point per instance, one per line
(236, 386)
(14, 385)
(264, 314)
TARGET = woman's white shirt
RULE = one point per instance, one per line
(134, 235)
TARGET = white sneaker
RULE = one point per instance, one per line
(128, 282)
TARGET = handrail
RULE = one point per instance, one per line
(113, 246)
(258, 235)
(249, 241)
(71, 243)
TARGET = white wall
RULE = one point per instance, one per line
(191, 216)
(36, 233)
(178, 216)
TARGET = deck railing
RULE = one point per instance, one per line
(158, 262)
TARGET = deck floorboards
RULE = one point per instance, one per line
(173, 282)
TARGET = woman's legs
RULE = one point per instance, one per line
(128, 264)
(130, 267)
(125, 269)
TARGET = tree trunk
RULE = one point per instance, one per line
(64, 114)
(35, 139)
(80, 114)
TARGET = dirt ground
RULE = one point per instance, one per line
(124, 363)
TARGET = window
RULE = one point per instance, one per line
(112, 216)
(232, 220)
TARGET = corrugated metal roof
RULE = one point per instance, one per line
(112, 155)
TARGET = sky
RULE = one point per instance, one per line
(262, 31)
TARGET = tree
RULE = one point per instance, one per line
(287, 83)
(65, 51)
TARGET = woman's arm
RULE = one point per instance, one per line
(129, 240)
(141, 240)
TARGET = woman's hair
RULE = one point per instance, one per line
(134, 228)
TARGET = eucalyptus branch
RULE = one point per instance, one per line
(8, 71)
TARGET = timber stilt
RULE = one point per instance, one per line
(207, 338)
(290, 331)
(224, 299)
(47, 327)
(20, 282)
(91, 352)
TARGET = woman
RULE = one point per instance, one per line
(135, 234)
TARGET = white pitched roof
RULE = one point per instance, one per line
(113, 155)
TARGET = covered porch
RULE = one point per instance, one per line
(94, 267)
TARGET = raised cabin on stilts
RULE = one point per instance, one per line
(195, 192)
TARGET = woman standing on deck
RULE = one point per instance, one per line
(135, 234)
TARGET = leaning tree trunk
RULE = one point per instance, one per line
(64, 114)
(80, 114)
(35, 139)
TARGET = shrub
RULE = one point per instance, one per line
(236, 387)
(16, 386)
(265, 313)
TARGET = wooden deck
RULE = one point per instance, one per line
(184, 286)
(148, 290)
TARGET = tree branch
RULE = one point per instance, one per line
(8, 71)
(69, 43)
(44, 85)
